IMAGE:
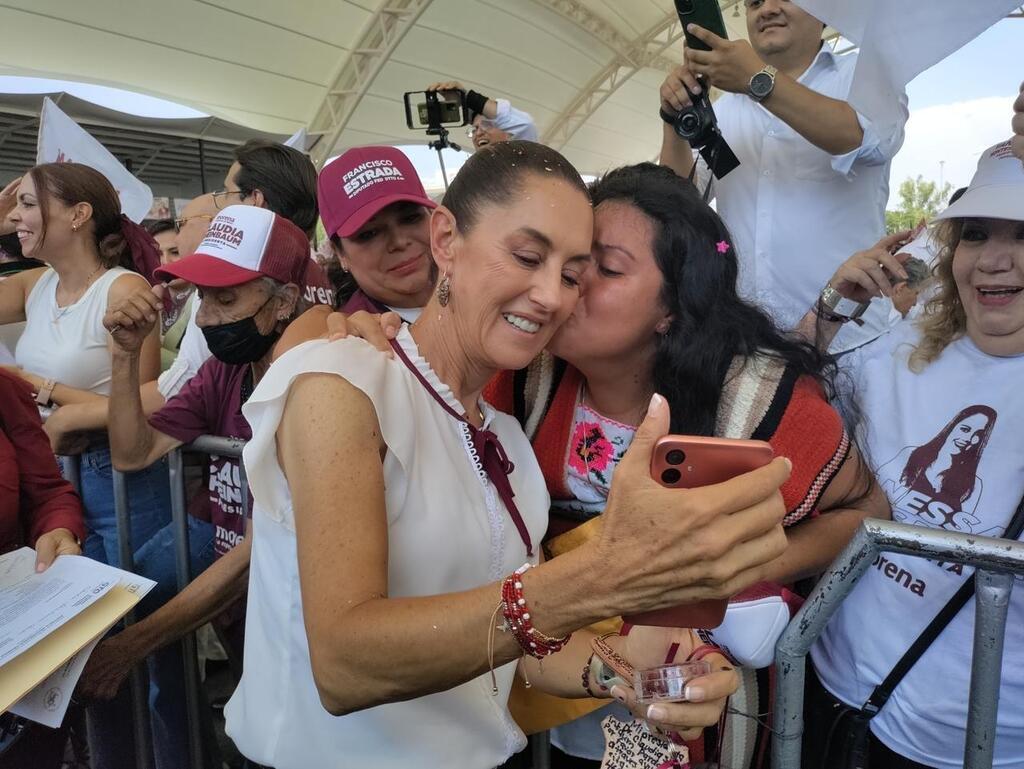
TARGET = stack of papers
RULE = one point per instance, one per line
(50, 623)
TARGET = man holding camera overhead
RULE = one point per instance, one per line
(491, 120)
(814, 176)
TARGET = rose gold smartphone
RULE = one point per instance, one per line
(686, 462)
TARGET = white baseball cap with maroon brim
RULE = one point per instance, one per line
(242, 244)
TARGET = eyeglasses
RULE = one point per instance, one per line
(181, 222)
(483, 125)
(220, 197)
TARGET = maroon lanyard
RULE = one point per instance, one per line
(492, 455)
(363, 301)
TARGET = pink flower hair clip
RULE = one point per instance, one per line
(722, 246)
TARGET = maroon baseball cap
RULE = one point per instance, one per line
(357, 185)
(242, 244)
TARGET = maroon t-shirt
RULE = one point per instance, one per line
(210, 403)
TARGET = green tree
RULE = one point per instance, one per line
(918, 200)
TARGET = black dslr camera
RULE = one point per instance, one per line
(697, 123)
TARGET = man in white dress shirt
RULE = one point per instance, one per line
(813, 182)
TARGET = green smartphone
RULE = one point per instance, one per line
(703, 13)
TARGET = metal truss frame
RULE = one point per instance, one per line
(360, 66)
(645, 51)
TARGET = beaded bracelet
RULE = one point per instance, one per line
(585, 677)
(517, 619)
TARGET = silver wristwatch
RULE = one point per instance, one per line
(837, 304)
(762, 84)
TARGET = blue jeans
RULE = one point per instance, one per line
(149, 497)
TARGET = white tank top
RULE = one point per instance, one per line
(447, 531)
(68, 344)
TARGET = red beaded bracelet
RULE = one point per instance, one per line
(517, 619)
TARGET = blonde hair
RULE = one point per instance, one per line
(943, 320)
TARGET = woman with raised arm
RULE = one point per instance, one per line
(378, 589)
(69, 216)
(941, 417)
(726, 371)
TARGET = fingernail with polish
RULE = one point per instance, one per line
(657, 713)
(694, 694)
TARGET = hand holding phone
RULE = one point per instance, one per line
(682, 462)
(703, 13)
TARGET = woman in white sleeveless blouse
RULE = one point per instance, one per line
(381, 539)
(69, 216)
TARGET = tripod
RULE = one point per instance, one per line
(440, 143)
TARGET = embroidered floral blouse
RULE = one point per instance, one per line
(596, 446)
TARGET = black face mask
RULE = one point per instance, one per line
(240, 341)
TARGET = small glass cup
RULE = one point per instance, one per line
(667, 683)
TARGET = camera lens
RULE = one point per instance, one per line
(675, 457)
(671, 476)
(689, 125)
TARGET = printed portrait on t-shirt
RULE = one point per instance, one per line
(937, 483)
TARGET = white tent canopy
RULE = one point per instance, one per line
(167, 154)
(588, 70)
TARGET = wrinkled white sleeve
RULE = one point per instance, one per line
(516, 122)
(879, 145)
(880, 142)
(192, 353)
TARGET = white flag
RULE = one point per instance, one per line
(298, 140)
(900, 39)
(62, 140)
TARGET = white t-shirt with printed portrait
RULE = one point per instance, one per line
(947, 446)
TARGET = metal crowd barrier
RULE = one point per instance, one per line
(139, 682)
(206, 444)
(71, 467)
(996, 560)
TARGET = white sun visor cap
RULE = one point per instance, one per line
(997, 189)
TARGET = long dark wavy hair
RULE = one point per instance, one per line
(957, 483)
(711, 324)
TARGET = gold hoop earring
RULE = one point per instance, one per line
(444, 291)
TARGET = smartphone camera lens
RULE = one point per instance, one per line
(671, 476)
(675, 457)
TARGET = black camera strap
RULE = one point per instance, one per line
(960, 598)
